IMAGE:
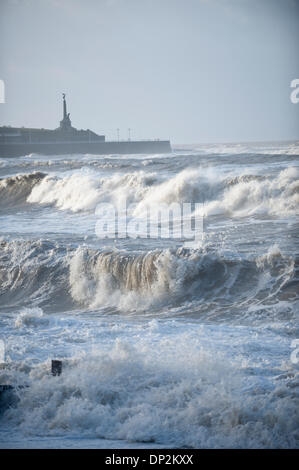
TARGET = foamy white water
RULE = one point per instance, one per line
(162, 345)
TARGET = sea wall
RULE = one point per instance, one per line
(100, 148)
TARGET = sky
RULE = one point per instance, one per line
(189, 70)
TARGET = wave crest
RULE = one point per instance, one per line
(157, 278)
(15, 189)
(240, 196)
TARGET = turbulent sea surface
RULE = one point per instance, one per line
(163, 345)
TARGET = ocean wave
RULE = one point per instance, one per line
(278, 196)
(45, 274)
(33, 273)
(243, 149)
(140, 393)
(15, 189)
(31, 317)
(235, 196)
(157, 278)
(85, 189)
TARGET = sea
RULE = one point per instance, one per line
(164, 343)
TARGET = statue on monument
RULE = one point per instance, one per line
(65, 124)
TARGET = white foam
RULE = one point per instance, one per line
(84, 190)
(178, 390)
(31, 317)
(128, 283)
(277, 196)
(242, 196)
(157, 278)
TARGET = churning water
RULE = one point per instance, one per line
(162, 345)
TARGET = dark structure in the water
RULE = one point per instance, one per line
(18, 141)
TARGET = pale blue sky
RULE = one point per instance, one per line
(188, 70)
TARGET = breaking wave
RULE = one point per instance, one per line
(31, 317)
(48, 275)
(146, 394)
(231, 196)
(243, 149)
(33, 273)
(158, 278)
(14, 190)
(278, 196)
(239, 196)
(84, 190)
